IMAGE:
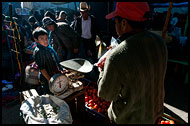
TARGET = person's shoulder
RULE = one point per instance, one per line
(61, 24)
(79, 17)
(36, 51)
(144, 34)
(118, 52)
(155, 34)
(39, 50)
(91, 15)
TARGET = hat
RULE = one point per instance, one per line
(15, 19)
(84, 6)
(61, 14)
(130, 10)
(32, 19)
(7, 19)
(47, 21)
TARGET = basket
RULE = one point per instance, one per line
(94, 114)
(166, 117)
(31, 74)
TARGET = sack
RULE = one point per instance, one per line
(45, 109)
(31, 74)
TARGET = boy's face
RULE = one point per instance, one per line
(43, 40)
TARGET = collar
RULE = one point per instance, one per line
(87, 19)
(41, 46)
(123, 37)
(126, 35)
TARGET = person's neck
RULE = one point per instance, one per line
(134, 31)
(86, 18)
(129, 33)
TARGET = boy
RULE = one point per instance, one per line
(45, 57)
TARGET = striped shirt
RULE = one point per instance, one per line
(44, 59)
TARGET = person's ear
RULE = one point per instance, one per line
(124, 24)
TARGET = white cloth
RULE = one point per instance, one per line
(35, 107)
(86, 28)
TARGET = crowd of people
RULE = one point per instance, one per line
(69, 39)
(132, 76)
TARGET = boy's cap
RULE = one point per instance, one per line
(38, 30)
(130, 10)
(47, 21)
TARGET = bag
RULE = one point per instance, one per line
(31, 74)
(45, 109)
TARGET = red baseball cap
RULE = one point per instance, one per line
(130, 10)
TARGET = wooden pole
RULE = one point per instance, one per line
(167, 20)
(75, 6)
(186, 25)
(17, 44)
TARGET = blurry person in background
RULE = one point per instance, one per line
(51, 15)
(7, 21)
(74, 18)
(33, 23)
(63, 17)
(132, 77)
(5, 50)
(38, 17)
(87, 29)
(64, 38)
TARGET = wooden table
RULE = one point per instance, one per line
(76, 102)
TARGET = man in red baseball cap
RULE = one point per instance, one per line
(132, 77)
(131, 10)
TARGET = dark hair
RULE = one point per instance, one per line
(39, 31)
(63, 13)
(32, 19)
(50, 14)
(136, 24)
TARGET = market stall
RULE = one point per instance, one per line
(73, 97)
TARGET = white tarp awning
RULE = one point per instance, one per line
(28, 5)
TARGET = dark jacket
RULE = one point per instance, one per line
(64, 39)
(94, 28)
